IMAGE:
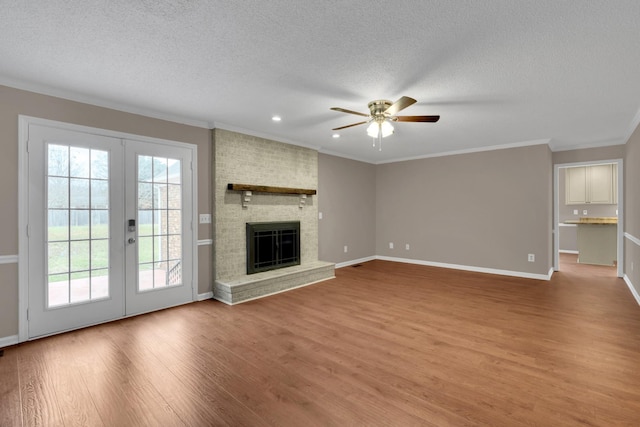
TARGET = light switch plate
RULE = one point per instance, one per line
(575, 211)
(584, 212)
(205, 218)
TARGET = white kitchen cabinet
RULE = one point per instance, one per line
(593, 184)
(576, 185)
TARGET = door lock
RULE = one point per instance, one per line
(131, 240)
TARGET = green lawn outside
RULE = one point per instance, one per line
(84, 259)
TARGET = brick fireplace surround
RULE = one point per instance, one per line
(239, 158)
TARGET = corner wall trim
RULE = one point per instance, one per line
(7, 341)
(632, 289)
(205, 296)
(355, 261)
(521, 274)
(632, 238)
(8, 259)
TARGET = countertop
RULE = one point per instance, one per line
(593, 220)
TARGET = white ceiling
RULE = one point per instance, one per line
(499, 73)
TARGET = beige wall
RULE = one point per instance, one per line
(244, 159)
(346, 199)
(488, 209)
(632, 208)
(589, 154)
(8, 300)
(14, 102)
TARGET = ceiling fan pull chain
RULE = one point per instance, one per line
(380, 141)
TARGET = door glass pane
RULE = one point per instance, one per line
(160, 222)
(78, 225)
(99, 223)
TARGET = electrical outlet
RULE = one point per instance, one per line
(390, 245)
(205, 218)
(584, 212)
(532, 258)
(407, 247)
(319, 215)
(346, 249)
(575, 211)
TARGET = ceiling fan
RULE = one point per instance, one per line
(382, 113)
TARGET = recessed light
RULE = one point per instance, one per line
(276, 118)
(336, 135)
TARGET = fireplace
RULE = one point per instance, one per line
(272, 245)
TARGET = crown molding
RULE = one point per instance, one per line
(470, 150)
(100, 102)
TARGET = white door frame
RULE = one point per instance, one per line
(23, 204)
(556, 210)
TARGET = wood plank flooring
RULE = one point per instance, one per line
(385, 344)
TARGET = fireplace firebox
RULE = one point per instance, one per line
(272, 245)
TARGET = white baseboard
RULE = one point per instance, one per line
(354, 261)
(7, 341)
(206, 295)
(632, 289)
(470, 268)
(567, 251)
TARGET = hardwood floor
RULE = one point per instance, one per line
(384, 343)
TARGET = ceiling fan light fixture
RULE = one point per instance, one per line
(377, 128)
(373, 129)
(386, 128)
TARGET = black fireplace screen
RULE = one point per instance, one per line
(272, 245)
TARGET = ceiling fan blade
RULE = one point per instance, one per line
(399, 105)
(353, 124)
(342, 110)
(431, 119)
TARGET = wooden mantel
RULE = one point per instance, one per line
(268, 189)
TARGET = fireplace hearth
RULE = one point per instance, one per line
(272, 245)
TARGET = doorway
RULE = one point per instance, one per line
(108, 226)
(602, 201)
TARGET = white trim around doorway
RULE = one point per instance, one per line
(556, 210)
(23, 202)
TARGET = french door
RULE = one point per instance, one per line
(109, 231)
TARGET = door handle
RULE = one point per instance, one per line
(131, 240)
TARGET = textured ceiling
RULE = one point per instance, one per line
(497, 72)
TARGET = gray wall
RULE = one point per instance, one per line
(488, 209)
(632, 208)
(14, 102)
(346, 199)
